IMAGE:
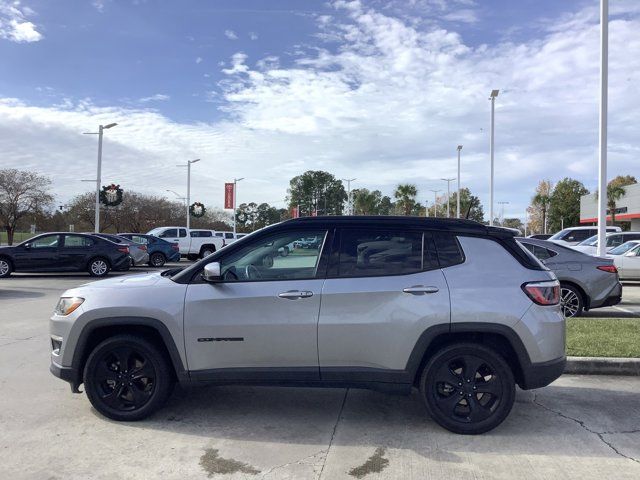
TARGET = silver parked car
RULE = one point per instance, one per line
(586, 281)
(615, 239)
(627, 258)
(453, 308)
(137, 251)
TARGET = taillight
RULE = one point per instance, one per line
(143, 248)
(608, 268)
(543, 293)
(175, 246)
(123, 249)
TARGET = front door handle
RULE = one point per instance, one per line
(419, 289)
(295, 294)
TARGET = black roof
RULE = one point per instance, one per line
(434, 223)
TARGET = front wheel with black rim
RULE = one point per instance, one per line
(468, 388)
(127, 378)
(157, 259)
(571, 301)
(98, 267)
(5, 268)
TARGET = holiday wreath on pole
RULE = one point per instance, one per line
(111, 195)
(197, 210)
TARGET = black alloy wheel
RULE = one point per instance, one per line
(127, 378)
(571, 301)
(468, 388)
(157, 259)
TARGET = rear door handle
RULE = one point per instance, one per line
(295, 294)
(418, 289)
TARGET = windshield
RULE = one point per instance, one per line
(154, 232)
(589, 242)
(624, 248)
(559, 235)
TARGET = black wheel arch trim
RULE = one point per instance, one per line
(530, 375)
(80, 354)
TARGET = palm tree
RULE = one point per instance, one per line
(542, 200)
(614, 193)
(406, 196)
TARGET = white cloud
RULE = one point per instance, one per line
(253, 36)
(230, 34)
(199, 60)
(14, 25)
(158, 97)
(389, 104)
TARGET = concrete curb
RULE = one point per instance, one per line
(602, 366)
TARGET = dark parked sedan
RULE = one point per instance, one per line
(586, 282)
(160, 251)
(64, 252)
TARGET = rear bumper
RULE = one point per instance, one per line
(538, 375)
(122, 264)
(613, 298)
(173, 257)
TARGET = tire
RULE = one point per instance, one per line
(140, 361)
(206, 251)
(98, 267)
(5, 267)
(442, 383)
(157, 259)
(571, 301)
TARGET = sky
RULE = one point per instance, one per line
(381, 91)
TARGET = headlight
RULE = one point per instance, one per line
(66, 305)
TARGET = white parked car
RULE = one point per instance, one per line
(626, 258)
(574, 235)
(193, 243)
(227, 237)
(590, 245)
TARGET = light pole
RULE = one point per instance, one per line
(435, 202)
(235, 183)
(502, 204)
(602, 167)
(494, 94)
(101, 129)
(448, 180)
(458, 198)
(182, 199)
(188, 165)
(349, 206)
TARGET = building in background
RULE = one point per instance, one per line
(627, 208)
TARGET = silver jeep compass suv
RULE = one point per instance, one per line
(451, 307)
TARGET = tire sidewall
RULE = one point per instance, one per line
(580, 300)
(162, 389)
(9, 271)
(496, 362)
(157, 255)
(95, 260)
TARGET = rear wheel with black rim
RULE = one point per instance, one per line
(468, 388)
(98, 267)
(127, 378)
(5, 268)
(157, 259)
(571, 301)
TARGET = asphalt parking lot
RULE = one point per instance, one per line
(581, 427)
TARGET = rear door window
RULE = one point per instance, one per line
(71, 241)
(378, 252)
(448, 248)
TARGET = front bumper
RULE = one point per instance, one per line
(68, 374)
(538, 375)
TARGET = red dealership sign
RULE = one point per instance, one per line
(228, 195)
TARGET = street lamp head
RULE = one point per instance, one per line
(459, 147)
(194, 161)
(494, 93)
(109, 126)
(238, 179)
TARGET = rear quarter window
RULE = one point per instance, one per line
(448, 249)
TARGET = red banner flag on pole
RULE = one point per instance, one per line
(228, 196)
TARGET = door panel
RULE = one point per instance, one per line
(41, 255)
(373, 323)
(247, 325)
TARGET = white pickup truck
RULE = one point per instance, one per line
(193, 243)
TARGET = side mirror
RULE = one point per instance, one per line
(27, 246)
(212, 272)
